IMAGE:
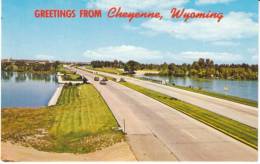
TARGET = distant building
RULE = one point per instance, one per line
(28, 61)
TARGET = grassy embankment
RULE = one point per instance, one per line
(68, 75)
(81, 122)
(235, 129)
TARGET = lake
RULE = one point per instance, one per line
(26, 89)
(240, 88)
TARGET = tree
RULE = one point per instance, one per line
(164, 68)
(132, 65)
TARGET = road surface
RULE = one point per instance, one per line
(239, 112)
(158, 132)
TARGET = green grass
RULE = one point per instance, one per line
(68, 75)
(62, 70)
(71, 77)
(81, 122)
(221, 96)
(235, 129)
(107, 70)
(99, 75)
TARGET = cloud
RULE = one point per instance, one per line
(203, 2)
(255, 59)
(217, 57)
(44, 57)
(130, 27)
(235, 25)
(124, 53)
(225, 43)
(144, 55)
(253, 52)
(136, 5)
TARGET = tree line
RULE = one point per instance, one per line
(23, 66)
(202, 68)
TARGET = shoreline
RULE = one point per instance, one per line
(56, 95)
(53, 100)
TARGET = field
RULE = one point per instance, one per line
(235, 129)
(62, 70)
(71, 77)
(68, 75)
(107, 70)
(81, 122)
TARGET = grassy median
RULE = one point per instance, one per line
(81, 122)
(235, 129)
(107, 70)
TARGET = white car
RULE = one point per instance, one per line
(102, 82)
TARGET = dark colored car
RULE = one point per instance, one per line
(122, 80)
(85, 80)
(96, 78)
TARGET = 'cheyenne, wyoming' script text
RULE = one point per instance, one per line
(118, 12)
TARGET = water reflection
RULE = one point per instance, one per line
(20, 77)
(21, 89)
(23, 76)
(6, 75)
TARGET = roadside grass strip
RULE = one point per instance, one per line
(81, 122)
(106, 70)
(235, 129)
(109, 70)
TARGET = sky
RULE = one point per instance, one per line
(232, 40)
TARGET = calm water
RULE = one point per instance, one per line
(244, 89)
(26, 89)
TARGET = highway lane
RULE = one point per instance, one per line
(242, 113)
(157, 132)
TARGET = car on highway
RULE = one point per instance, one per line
(102, 82)
(85, 80)
(96, 78)
(122, 80)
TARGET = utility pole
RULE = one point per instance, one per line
(124, 125)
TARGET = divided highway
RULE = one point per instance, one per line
(157, 132)
(239, 112)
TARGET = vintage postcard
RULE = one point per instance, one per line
(129, 80)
